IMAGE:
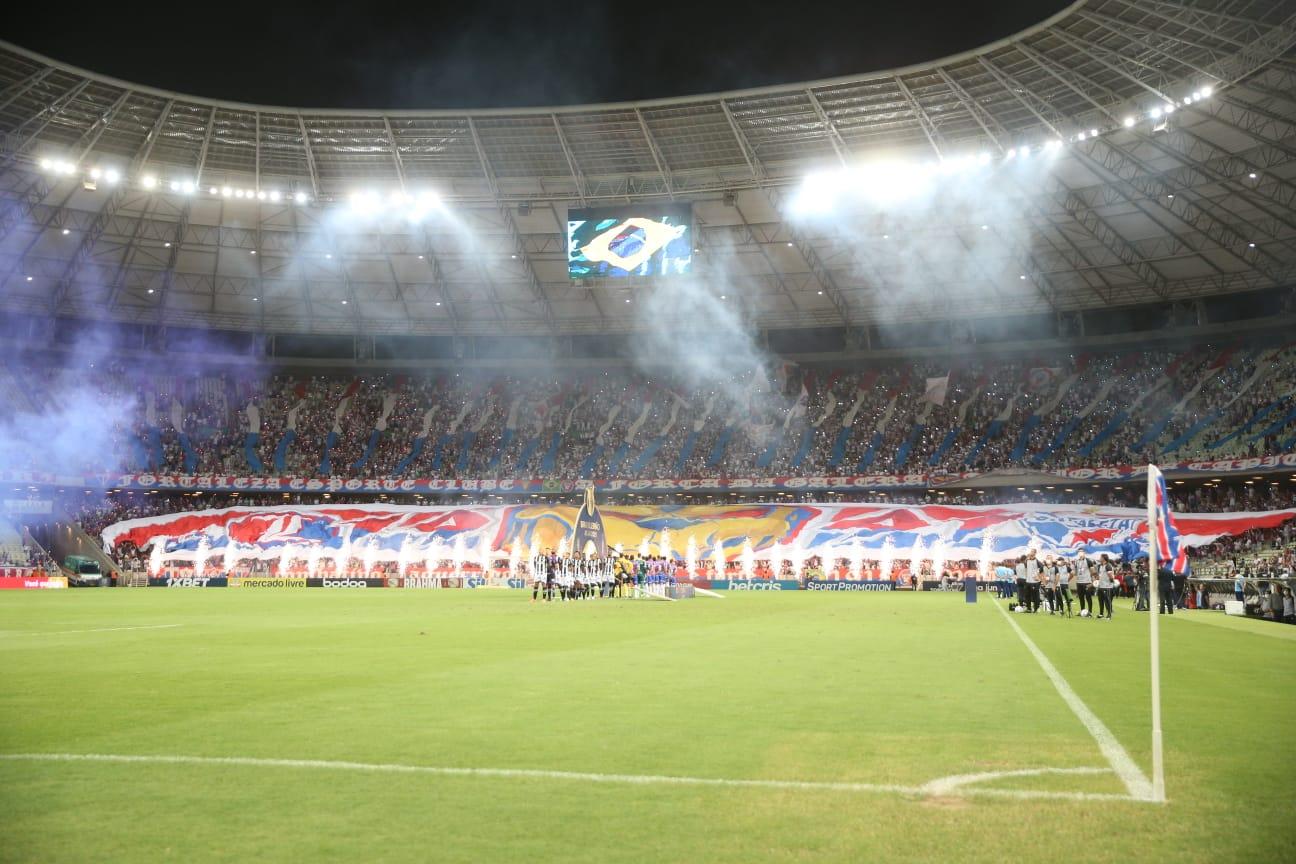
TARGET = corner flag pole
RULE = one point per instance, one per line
(1158, 765)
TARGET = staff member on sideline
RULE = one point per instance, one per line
(1106, 588)
(1033, 581)
(1084, 585)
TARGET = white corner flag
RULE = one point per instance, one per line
(1163, 544)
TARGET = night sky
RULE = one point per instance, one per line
(499, 54)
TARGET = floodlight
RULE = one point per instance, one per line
(148, 181)
(300, 198)
(261, 195)
(46, 165)
(274, 195)
(1129, 122)
(95, 173)
(1155, 113)
(174, 185)
(1093, 133)
(226, 191)
(1206, 92)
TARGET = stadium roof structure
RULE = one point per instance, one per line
(1171, 208)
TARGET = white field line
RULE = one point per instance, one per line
(95, 630)
(1136, 782)
(955, 784)
(944, 786)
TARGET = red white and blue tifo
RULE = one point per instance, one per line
(381, 532)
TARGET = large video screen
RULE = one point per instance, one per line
(652, 240)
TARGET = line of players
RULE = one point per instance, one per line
(1048, 584)
(580, 577)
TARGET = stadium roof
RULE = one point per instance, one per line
(1193, 204)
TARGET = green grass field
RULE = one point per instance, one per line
(885, 690)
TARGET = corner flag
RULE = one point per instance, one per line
(1169, 550)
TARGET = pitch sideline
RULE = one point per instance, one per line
(956, 785)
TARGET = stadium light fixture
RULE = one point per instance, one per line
(261, 195)
(1155, 113)
(150, 290)
(1251, 245)
(1169, 109)
(148, 181)
(274, 196)
(226, 191)
(111, 176)
(174, 185)
(1080, 137)
(1011, 154)
(46, 165)
(95, 173)
(66, 232)
(29, 278)
(167, 244)
(1093, 133)
(1252, 175)
(344, 302)
(300, 198)
(187, 187)
(1206, 92)
(238, 193)
(1129, 122)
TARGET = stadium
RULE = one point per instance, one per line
(746, 476)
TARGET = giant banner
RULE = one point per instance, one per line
(414, 535)
(518, 485)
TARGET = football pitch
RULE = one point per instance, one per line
(410, 726)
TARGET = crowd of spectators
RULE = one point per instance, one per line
(1049, 413)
